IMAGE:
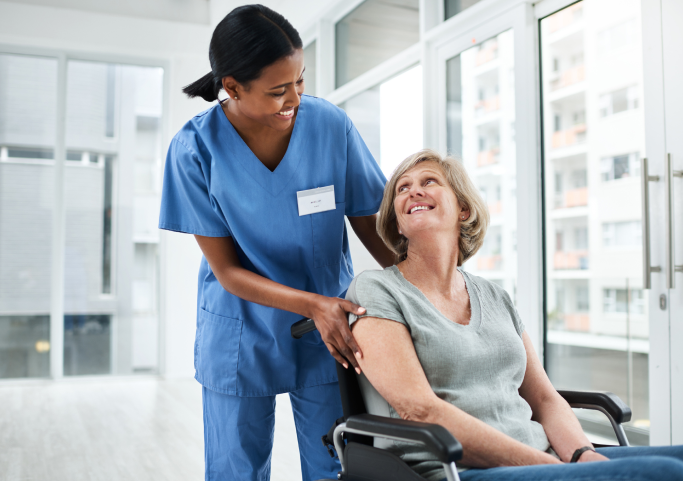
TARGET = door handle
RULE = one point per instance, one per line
(672, 268)
(645, 179)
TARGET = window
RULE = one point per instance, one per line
(623, 300)
(582, 299)
(621, 234)
(580, 178)
(372, 33)
(581, 238)
(480, 130)
(310, 73)
(454, 7)
(619, 167)
(618, 37)
(618, 101)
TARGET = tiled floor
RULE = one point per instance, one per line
(115, 430)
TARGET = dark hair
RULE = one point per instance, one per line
(246, 41)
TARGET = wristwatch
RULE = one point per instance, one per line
(577, 454)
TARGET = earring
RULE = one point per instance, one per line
(235, 97)
(463, 217)
(400, 231)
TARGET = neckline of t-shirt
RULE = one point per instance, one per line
(475, 305)
(292, 140)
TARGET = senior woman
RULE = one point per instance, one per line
(443, 346)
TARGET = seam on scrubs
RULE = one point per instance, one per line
(192, 230)
(263, 393)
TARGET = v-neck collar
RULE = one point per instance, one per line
(272, 181)
(475, 306)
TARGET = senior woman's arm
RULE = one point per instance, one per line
(552, 411)
(393, 368)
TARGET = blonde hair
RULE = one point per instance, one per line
(472, 230)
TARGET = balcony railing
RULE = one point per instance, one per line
(577, 322)
(571, 260)
(571, 136)
(488, 157)
(490, 263)
(485, 106)
(495, 208)
(569, 77)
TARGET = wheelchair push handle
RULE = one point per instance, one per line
(304, 326)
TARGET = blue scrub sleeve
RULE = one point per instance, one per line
(364, 179)
(186, 204)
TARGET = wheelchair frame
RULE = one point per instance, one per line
(361, 461)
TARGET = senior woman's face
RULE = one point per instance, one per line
(425, 200)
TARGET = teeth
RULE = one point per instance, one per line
(419, 207)
(287, 114)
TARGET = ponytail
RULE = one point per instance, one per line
(206, 88)
(246, 41)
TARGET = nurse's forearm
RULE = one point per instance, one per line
(328, 313)
(222, 257)
(366, 230)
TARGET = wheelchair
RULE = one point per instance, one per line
(353, 436)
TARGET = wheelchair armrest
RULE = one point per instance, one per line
(608, 401)
(437, 439)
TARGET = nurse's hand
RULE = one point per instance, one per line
(330, 319)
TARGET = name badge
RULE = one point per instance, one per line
(316, 200)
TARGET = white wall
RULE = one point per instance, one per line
(116, 34)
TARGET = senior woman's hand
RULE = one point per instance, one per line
(590, 456)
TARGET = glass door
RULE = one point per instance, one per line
(480, 130)
(672, 38)
(597, 311)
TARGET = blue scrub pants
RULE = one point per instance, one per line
(238, 433)
(656, 463)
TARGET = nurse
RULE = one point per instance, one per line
(264, 181)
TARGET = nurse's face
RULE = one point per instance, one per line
(272, 98)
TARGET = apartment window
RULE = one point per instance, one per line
(579, 178)
(25, 348)
(558, 182)
(557, 123)
(582, 299)
(619, 37)
(619, 167)
(559, 241)
(621, 234)
(581, 238)
(372, 33)
(618, 101)
(623, 300)
(454, 7)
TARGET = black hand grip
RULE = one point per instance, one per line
(608, 401)
(304, 326)
(437, 439)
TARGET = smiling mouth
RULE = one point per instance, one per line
(418, 208)
(286, 113)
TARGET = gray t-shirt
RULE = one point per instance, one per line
(478, 368)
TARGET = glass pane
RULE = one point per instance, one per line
(28, 92)
(113, 181)
(310, 64)
(372, 33)
(593, 130)
(392, 130)
(454, 7)
(480, 127)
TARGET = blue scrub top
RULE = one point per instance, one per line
(215, 186)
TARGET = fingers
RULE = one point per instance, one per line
(349, 306)
(336, 355)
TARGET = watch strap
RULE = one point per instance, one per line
(577, 454)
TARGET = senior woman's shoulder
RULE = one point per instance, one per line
(488, 289)
(372, 282)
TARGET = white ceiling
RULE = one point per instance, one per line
(301, 13)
